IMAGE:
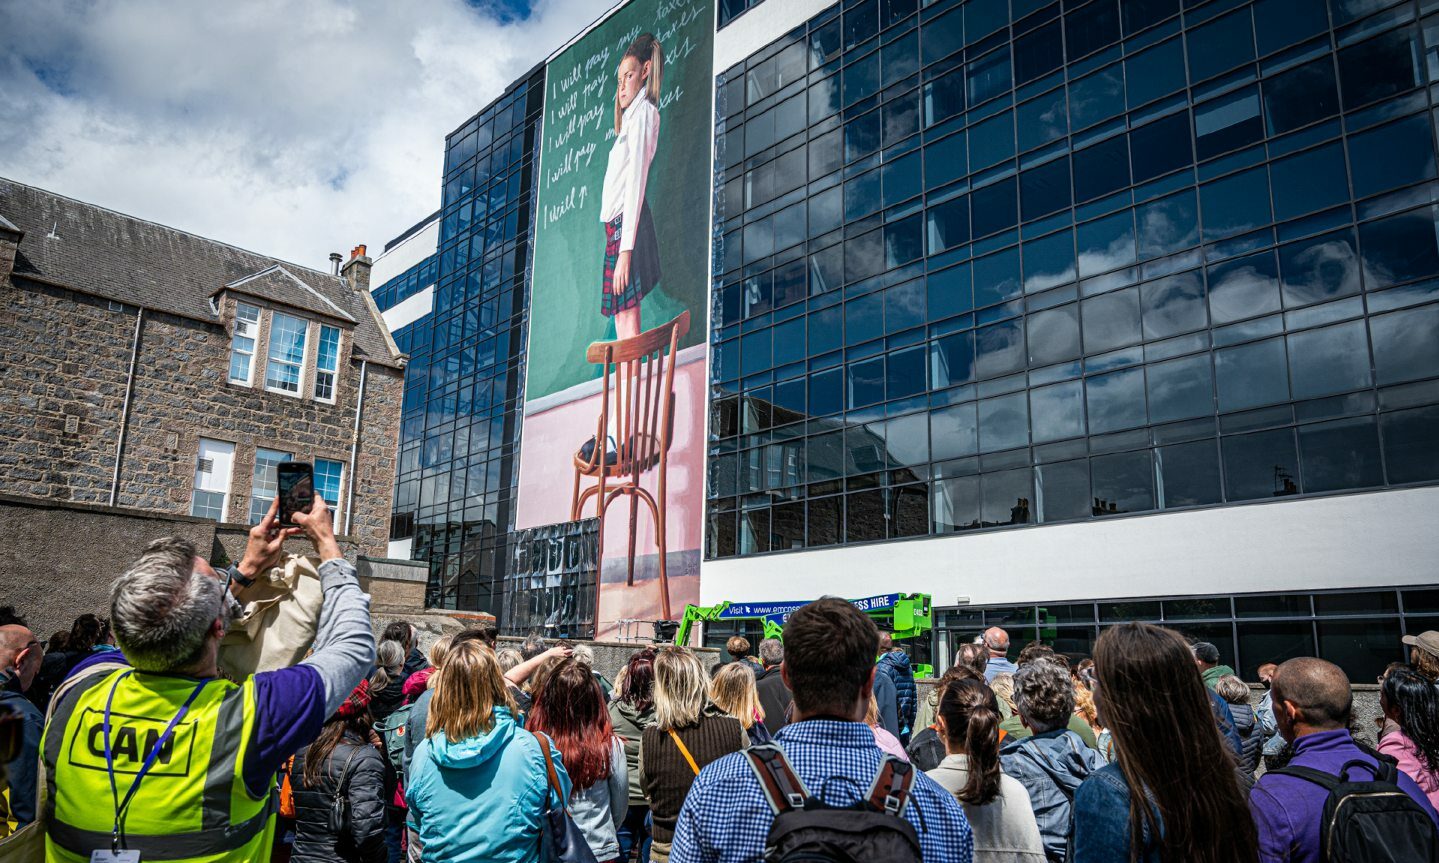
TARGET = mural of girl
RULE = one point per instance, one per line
(632, 265)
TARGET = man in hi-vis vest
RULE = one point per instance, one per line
(164, 760)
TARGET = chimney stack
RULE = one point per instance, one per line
(335, 259)
(357, 270)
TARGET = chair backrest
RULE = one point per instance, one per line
(638, 390)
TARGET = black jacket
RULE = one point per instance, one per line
(364, 842)
(774, 698)
(414, 662)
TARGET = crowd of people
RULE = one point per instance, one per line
(126, 735)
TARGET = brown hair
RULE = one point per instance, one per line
(737, 646)
(970, 713)
(1423, 661)
(975, 657)
(829, 651)
(733, 691)
(571, 710)
(645, 49)
(467, 689)
(319, 752)
(1179, 770)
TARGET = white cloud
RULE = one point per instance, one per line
(292, 129)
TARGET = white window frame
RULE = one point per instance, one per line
(245, 329)
(221, 458)
(271, 361)
(327, 377)
(257, 477)
(337, 506)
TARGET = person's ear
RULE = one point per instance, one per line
(645, 71)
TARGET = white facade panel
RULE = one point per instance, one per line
(410, 309)
(415, 248)
(760, 26)
(1349, 541)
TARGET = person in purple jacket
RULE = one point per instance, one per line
(1312, 702)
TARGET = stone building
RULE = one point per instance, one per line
(147, 373)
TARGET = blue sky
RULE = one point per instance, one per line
(290, 127)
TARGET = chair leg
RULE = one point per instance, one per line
(660, 507)
(634, 513)
(575, 499)
(600, 507)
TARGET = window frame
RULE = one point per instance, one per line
(270, 360)
(255, 478)
(219, 447)
(254, 337)
(327, 376)
(336, 506)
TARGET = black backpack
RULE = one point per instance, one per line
(807, 830)
(1370, 821)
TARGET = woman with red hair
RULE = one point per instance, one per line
(570, 709)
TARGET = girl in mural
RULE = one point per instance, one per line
(632, 265)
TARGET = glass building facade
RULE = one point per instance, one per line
(459, 437)
(1009, 262)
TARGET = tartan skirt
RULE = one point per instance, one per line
(644, 265)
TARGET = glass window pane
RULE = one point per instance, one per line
(1196, 608)
(1380, 67)
(1411, 444)
(1116, 401)
(1272, 606)
(1139, 14)
(1007, 497)
(1038, 53)
(1057, 412)
(1106, 244)
(1101, 169)
(1054, 335)
(1262, 465)
(907, 440)
(1341, 455)
(953, 432)
(1406, 344)
(948, 225)
(1308, 182)
(1156, 72)
(1161, 147)
(909, 510)
(1227, 123)
(1329, 360)
(942, 36)
(826, 393)
(865, 382)
(823, 527)
(1235, 204)
(1320, 268)
(991, 141)
(1300, 96)
(1111, 321)
(1096, 97)
(1173, 305)
(1045, 189)
(946, 160)
(1042, 120)
(996, 278)
(1123, 482)
(954, 504)
(943, 97)
(1168, 225)
(1251, 375)
(1048, 262)
(951, 360)
(1188, 474)
(1091, 27)
(900, 118)
(900, 58)
(1399, 249)
(1361, 647)
(1123, 612)
(1003, 422)
(999, 349)
(1390, 156)
(1220, 45)
(1180, 389)
(1281, 23)
(864, 516)
(994, 207)
(1272, 642)
(1061, 492)
(988, 76)
(904, 373)
(1243, 288)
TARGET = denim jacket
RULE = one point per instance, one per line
(1101, 820)
(1051, 767)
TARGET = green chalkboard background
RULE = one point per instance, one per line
(578, 132)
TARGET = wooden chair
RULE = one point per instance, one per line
(638, 393)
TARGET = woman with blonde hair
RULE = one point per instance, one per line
(477, 786)
(733, 691)
(683, 739)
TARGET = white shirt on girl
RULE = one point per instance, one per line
(629, 167)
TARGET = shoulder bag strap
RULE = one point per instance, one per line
(1309, 774)
(551, 777)
(685, 752)
(344, 783)
(782, 788)
(890, 790)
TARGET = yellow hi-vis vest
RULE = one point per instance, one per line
(192, 805)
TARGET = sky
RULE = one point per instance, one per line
(292, 129)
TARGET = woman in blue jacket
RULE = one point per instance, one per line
(477, 786)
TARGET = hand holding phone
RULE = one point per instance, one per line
(295, 481)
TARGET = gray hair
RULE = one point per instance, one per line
(1043, 695)
(532, 647)
(771, 652)
(389, 665)
(161, 608)
(509, 658)
(584, 655)
(1232, 689)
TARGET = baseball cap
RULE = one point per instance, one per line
(1426, 641)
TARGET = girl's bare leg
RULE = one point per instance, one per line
(627, 322)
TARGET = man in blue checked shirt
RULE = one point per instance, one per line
(829, 650)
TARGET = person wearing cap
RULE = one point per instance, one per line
(342, 763)
(1206, 656)
(162, 756)
(1424, 653)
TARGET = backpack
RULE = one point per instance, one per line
(807, 830)
(392, 733)
(1370, 821)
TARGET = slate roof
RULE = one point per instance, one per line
(108, 254)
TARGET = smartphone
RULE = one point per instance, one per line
(296, 483)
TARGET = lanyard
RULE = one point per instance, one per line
(121, 806)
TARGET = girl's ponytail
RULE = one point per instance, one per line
(657, 70)
(971, 719)
(645, 49)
